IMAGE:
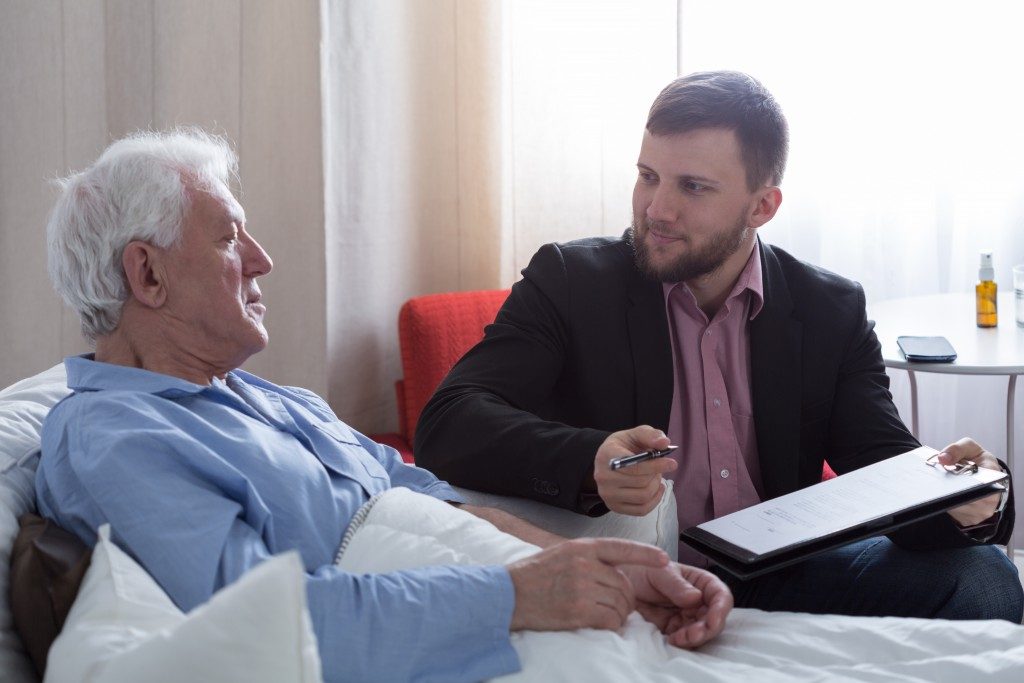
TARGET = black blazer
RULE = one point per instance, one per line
(582, 349)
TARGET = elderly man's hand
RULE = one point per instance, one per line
(689, 605)
(576, 584)
(978, 511)
(633, 490)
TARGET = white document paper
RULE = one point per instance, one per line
(870, 493)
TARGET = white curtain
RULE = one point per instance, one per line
(460, 136)
(906, 155)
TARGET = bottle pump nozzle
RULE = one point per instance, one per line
(985, 270)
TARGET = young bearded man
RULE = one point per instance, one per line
(759, 366)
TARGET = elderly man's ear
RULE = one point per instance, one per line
(144, 272)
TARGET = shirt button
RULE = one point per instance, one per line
(724, 473)
(707, 333)
(717, 403)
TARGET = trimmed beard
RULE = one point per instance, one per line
(691, 264)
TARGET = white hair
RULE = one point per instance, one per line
(136, 190)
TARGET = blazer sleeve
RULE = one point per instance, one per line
(482, 429)
(866, 428)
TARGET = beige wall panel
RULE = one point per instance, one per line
(282, 182)
(391, 188)
(129, 66)
(197, 65)
(31, 151)
(85, 112)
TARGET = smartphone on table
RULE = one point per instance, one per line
(926, 349)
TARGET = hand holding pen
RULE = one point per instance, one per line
(635, 488)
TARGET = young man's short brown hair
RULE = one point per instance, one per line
(733, 101)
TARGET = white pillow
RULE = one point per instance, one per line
(23, 407)
(123, 628)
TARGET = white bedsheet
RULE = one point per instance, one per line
(404, 529)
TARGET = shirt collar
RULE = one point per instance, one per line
(750, 279)
(87, 374)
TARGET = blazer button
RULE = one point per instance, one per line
(552, 489)
(538, 485)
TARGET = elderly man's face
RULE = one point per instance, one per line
(213, 301)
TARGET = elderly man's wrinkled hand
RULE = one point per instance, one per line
(689, 605)
(979, 510)
(634, 490)
(576, 584)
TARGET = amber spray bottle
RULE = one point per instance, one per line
(985, 293)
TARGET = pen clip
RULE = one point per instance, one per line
(962, 467)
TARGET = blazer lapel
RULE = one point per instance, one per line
(652, 351)
(775, 362)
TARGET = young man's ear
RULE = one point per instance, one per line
(768, 202)
(145, 277)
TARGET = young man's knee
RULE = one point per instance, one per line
(989, 588)
(1010, 605)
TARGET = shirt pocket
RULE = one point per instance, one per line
(340, 451)
(338, 431)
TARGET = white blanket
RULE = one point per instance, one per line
(403, 530)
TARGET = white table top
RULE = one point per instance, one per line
(980, 351)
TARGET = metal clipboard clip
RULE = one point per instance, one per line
(962, 467)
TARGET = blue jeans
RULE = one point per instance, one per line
(875, 577)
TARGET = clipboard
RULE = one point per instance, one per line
(745, 562)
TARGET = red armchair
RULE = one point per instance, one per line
(434, 331)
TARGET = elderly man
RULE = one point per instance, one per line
(203, 470)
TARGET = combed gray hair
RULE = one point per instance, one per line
(136, 190)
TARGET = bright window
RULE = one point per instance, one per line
(906, 124)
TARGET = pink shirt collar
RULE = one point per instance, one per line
(750, 279)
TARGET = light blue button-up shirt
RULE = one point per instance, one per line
(202, 483)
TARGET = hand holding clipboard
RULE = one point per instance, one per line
(968, 455)
(867, 502)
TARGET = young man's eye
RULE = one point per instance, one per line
(648, 177)
(694, 187)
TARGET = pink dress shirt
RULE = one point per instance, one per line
(712, 419)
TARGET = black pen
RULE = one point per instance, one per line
(628, 460)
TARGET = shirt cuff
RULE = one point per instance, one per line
(494, 619)
(986, 530)
(443, 492)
